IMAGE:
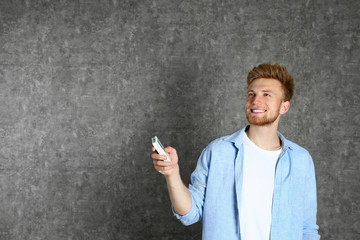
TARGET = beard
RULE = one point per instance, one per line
(262, 121)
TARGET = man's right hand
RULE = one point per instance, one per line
(165, 168)
(179, 194)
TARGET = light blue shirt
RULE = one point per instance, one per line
(216, 192)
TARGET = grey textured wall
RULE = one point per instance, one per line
(85, 84)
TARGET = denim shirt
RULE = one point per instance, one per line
(216, 192)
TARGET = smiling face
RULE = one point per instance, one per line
(264, 102)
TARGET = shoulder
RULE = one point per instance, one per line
(217, 153)
(220, 149)
(297, 149)
(229, 141)
(220, 144)
(299, 155)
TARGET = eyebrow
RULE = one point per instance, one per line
(261, 90)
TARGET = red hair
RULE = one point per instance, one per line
(274, 71)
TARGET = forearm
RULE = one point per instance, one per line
(179, 194)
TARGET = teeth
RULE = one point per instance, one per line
(258, 111)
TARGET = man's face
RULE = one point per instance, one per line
(264, 102)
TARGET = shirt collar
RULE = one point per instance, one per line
(237, 138)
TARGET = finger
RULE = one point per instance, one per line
(158, 156)
(162, 163)
(162, 172)
(162, 168)
(161, 157)
(169, 149)
(153, 149)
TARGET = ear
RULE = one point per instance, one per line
(284, 107)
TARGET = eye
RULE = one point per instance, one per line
(250, 94)
(266, 95)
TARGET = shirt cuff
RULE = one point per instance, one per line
(188, 218)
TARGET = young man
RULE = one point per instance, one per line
(253, 184)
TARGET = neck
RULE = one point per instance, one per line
(265, 137)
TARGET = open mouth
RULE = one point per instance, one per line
(257, 110)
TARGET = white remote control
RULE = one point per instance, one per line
(160, 148)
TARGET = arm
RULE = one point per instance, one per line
(179, 194)
(310, 228)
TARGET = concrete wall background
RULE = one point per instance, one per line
(84, 85)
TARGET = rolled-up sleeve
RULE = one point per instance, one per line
(197, 190)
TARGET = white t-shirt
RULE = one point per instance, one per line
(257, 191)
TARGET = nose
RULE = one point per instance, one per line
(256, 100)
